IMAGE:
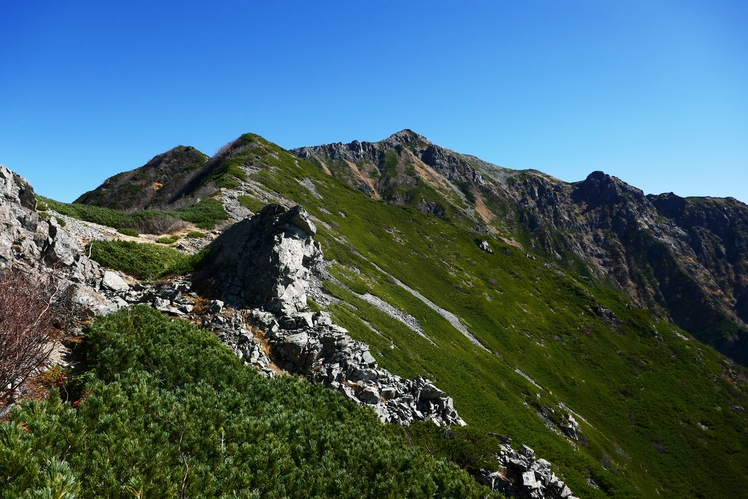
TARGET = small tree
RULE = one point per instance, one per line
(27, 325)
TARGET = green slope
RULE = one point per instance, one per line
(165, 410)
(661, 414)
(662, 411)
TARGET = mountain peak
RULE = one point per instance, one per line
(406, 136)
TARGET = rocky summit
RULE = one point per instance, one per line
(601, 329)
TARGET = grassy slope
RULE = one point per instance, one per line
(658, 405)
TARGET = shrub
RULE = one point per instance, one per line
(250, 203)
(143, 260)
(204, 214)
(27, 325)
(168, 239)
(195, 234)
(128, 232)
(169, 411)
(156, 222)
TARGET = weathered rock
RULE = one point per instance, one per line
(263, 261)
(522, 476)
(114, 282)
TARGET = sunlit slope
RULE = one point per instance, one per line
(517, 340)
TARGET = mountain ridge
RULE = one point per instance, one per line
(524, 261)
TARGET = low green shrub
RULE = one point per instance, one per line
(168, 239)
(143, 260)
(205, 214)
(165, 410)
(251, 203)
(128, 232)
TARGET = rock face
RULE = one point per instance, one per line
(263, 261)
(27, 238)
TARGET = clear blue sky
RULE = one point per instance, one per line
(653, 92)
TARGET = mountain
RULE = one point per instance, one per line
(559, 315)
(683, 259)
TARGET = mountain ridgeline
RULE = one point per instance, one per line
(684, 259)
(563, 316)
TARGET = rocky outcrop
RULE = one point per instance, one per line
(524, 476)
(261, 266)
(311, 345)
(263, 261)
(303, 343)
(27, 238)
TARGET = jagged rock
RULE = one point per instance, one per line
(522, 476)
(16, 189)
(263, 261)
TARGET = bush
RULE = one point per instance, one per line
(128, 232)
(168, 411)
(27, 324)
(204, 214)
(143, 260)
(168, 239)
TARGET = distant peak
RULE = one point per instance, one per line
(407, 136)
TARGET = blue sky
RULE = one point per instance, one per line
(653, 92)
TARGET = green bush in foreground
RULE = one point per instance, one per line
(168, 411)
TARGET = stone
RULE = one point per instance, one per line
(529, 481)
(114, 282)
(370, 395)
(483, 245)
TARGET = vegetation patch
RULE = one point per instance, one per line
(168, 239)
(143, 260)
(165, 410)
(205, 214)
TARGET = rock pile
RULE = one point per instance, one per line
(523, 476)
(304, 343)
(311, 345)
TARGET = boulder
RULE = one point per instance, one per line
(263, 261)
(113, 282)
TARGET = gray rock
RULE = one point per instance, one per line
(263, 261)
(483, 245)
(216, 306)
(114, 282)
